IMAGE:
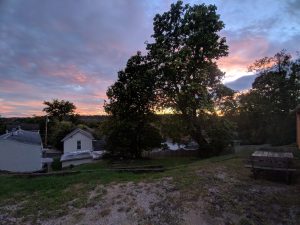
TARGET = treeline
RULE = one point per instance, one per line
(266, 113)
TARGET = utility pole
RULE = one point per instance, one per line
(46, 131)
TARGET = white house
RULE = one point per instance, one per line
(78, 140)
(21, 151)
(80, 147)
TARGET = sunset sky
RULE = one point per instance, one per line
(72, 50)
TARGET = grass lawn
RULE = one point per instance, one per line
(48, 194)
(34, 199)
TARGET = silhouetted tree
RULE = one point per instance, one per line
(131, 101)
(2, 126)
(186, 45)
(266, 111)
(60, 109)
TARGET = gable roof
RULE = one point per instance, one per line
(24, 136)
(23, 126)
(78, 130)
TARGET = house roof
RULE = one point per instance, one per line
(24, 136)
(78, 130)
(24, 126)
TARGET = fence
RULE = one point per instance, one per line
(170, 153)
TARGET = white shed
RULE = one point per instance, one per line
(78, 140)
(21, 151)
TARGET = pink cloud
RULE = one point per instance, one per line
(70, 73)
(13, 86)
(242, 53)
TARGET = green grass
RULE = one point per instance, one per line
(90, 174)
(97, 173)
(51, 196)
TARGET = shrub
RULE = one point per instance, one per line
(56, 164)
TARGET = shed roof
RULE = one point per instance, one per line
(24, 136)
(78, 130)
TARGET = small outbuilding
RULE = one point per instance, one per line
(21, 151)
(78, 140)
(80, 147)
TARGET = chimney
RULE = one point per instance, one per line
(19, 127)
(7, 131)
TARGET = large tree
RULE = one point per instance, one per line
(266, 111)
(60, 109)
(131, 101)
(186, 45)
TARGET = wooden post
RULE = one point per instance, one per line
(46, 132)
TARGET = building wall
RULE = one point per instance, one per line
(70, 145)
(20, 157)
(298, 129)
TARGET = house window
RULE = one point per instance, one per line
(78, 145)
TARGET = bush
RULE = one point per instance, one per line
(220, 132)
(128, 138)
(58, 130)
(56, 164)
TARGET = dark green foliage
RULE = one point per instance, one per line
(60, 110)
(186, 46)
(174, 127)
(267, 111)
(2, 126)
(131, 103)
(126, 139)
(56, 164)
(225, 102)
(57, 131)
(220, 133)
(180, 73)
(132, 95)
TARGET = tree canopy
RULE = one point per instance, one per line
(185, 49)
(60, 109)
(131, 104)
(2, 126)
(267, 110)
(132, 95)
